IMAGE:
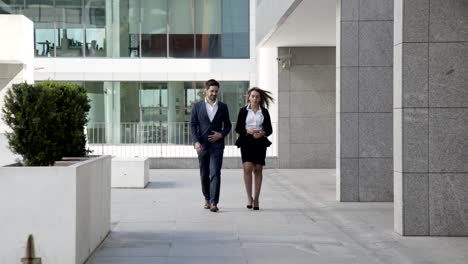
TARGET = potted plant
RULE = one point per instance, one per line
(64, 203)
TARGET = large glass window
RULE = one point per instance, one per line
(69, 33)
(154, 110)
(137, 28)
(154, 28)
(44, 39)
(233, 94)
(129, 106)
(181, 38)
(208, 28)
(235, 43)
(95, 22)
(42, 12)
(96, 128)
(129, 30)
(151, 112)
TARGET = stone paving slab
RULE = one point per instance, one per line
(299, 222)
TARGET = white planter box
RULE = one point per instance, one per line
(130, 172)
(65, 208)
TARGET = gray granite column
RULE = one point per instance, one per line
(306, 102)
(364, 100)
(431, 117)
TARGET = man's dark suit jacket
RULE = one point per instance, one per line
(240, 127)
(201, 125)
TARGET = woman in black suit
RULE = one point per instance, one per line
(253, 127)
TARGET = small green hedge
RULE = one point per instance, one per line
(47, 121)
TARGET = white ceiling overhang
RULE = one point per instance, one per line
(311, 23)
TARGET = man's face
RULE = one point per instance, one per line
(212, 93)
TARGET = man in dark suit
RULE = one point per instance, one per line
(210, 124)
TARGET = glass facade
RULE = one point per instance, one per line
(151, 112)
(137, 28)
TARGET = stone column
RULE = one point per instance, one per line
(176, 112)
(364, 100)
(431, 117)
(306, 78)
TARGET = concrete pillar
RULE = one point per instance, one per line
(306, 130)
(16, 66)
(431, 117)
(364, 100)
(112, 112)
(175, 112)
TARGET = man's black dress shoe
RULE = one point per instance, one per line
(214, 208)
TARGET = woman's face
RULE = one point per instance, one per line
(254, 98)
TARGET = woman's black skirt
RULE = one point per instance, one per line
(253, 150)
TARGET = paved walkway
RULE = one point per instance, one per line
(299, 222)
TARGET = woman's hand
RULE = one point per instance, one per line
(252, 131)
(259, 134)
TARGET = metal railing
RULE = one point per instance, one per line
(156, 139)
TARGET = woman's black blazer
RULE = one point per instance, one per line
(240, 126)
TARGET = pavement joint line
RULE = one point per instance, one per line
(304, 197)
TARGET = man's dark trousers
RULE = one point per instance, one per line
(210, 161)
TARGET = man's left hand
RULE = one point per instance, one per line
(214, 137)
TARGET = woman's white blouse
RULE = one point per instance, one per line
(254, 120)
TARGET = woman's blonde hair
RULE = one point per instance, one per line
(265, 96)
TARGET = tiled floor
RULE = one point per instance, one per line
(299, 222)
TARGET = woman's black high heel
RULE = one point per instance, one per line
(249, 206)
(256, 207)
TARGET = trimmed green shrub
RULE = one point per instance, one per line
(47, 121)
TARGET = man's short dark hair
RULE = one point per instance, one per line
(211, 82)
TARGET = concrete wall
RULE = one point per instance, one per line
(16, 65)
(364, 100)
(17, 45)
(306, 125)
(6, 156)
(431, 117)
(66, 208)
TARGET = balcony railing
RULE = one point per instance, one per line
(164, 139)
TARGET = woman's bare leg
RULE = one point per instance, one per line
(258, 172)
(248, 168)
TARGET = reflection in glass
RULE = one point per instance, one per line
(129, 28)
(69, 42)
(154, 28)
(95, 19)
(70, 36)
(96, 128)
(181, 38)
(235, 40)
(95, 42)
(154, 112)
(129, 112)
(140, 28)
(44, 42)
(69, 12)
(40, 11)
(233, 94)
(192, 95)
(151, 112)
(11, 6)
(208, 28)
